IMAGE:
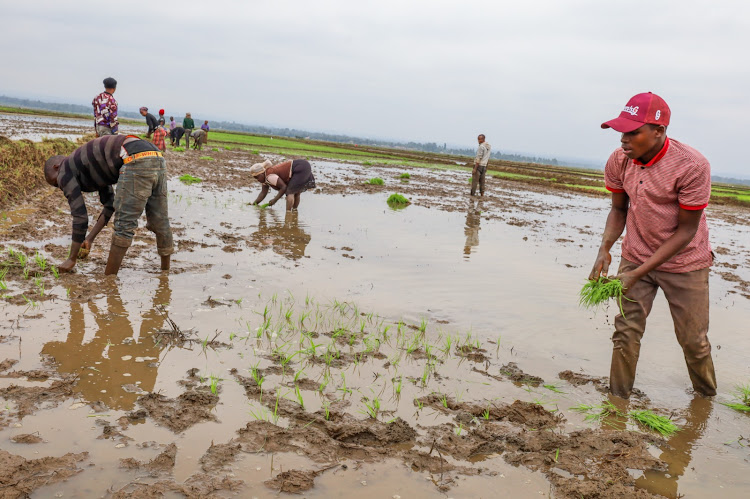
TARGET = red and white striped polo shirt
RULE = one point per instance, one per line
(677, 177)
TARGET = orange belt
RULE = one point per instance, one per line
(145, 154)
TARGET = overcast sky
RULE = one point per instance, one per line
(536, 77)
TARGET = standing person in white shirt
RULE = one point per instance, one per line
(480, 165)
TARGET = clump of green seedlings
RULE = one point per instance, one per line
(742, 399)
(263, 206)
(654, 421)
(646, 418)
(597, 291)
(375, 181)
(215, 149)
(178, 149)
(404, 176)
(189, 179)
(367, 163)
(397, 199)
(207, 158)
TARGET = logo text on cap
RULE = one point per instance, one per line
(632, 110)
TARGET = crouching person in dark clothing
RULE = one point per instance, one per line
(176, 135)
(139, 170)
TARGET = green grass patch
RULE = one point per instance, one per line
(215, 149)
(189, 179)
(228, 148)
(207, 158)
(404, 176)
(375, 181)
(367, 163)
(178, 149)
(397, 199)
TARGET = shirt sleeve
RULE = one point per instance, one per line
(72, 192)
(480, 153)
(614, 172)
(694, 189)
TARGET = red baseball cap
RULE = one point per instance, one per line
(641, 109)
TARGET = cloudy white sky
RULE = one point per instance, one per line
(536, 77)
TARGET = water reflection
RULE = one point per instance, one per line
(287, 238)
(679, 450)
(114, 356)
(471, 230)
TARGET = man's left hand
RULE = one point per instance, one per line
(629, 279)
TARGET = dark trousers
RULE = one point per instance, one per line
(478, 177)
(687, 295)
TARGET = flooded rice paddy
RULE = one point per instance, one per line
(352, 348)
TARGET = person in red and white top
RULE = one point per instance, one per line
(660, 188)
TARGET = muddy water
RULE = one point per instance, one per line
(510, 274)
(20, 126)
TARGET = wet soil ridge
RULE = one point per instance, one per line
(179, 414)
(19, 477)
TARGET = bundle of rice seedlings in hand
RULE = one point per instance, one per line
(651, 420)
(596, 292)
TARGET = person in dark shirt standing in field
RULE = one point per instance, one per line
(105, 109)
(150, 121)
(139, 170)
(188, 124)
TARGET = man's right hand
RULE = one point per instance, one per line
(601, 265)
(67, 265)
(85, 249)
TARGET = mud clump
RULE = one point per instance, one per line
(292, 481)
(19, 477)
(516, 375)
(164, 462)
(578, 379)
(7, 364)
(198, 486)
(218, 456)
(181, 413)
(27, 438)
(29, 398)
(472, 353)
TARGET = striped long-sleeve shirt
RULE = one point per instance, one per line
(93, 167)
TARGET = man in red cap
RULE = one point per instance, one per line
(659, 188)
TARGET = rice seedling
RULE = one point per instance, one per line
(742, 399)
(206, 158)
(298, 394)
(557, 454)
(375, 181)
(597, 412)
(21, 257)
(26, 273)
(600, 290)
(423, 326)
(55, 271)
(418, 403)
(41, 261)
(178, 149)
(256, 152)
(372, 407)
(215, 384)
(327, 409)
(367, 163)
(486, 414)
(189, 179)
(215, 149)
(553, 388)
(459, 429)
(397, 386)
(263, 206)
(651, 420)
(444, 401)
(404, 176)
(397, 199)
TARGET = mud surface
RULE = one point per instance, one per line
(350, 349)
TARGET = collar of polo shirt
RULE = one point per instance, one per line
(656, 158)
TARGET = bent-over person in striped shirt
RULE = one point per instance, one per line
(139, 170)
(659, 188)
